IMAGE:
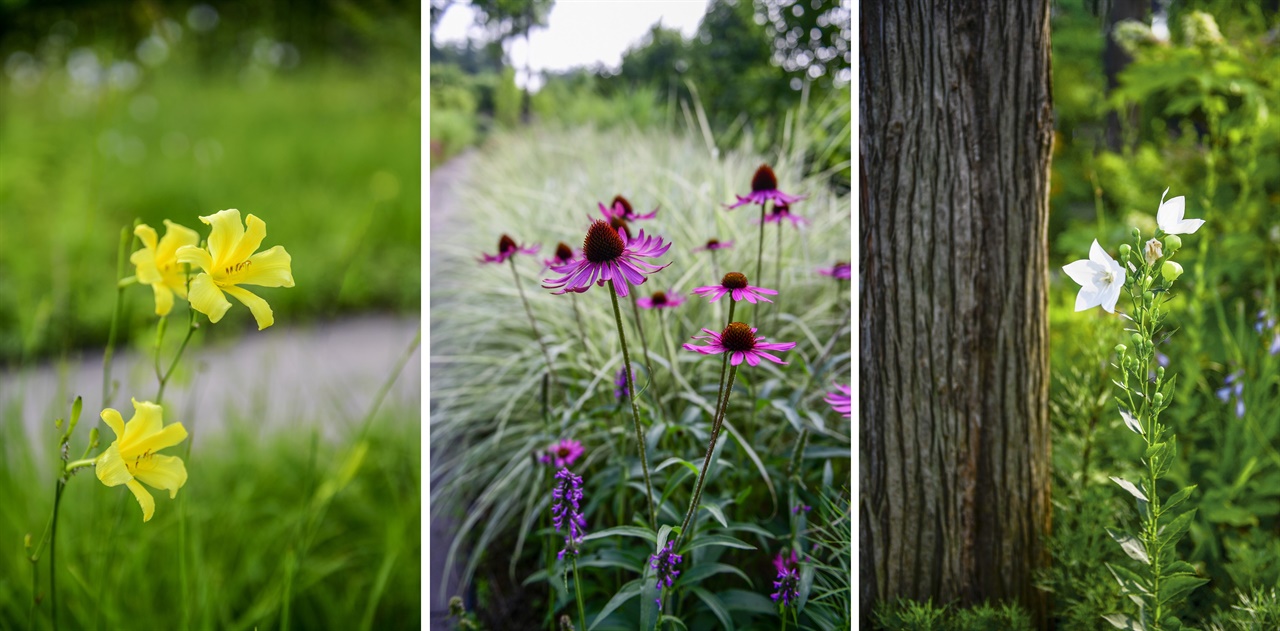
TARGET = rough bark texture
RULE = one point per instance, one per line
(956, 134)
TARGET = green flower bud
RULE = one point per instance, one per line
(1124, 250)
(1147, 298)
(1158, 399)
(1171, 271)
(1172, 243)
(1137, 234)
(1121, 348)
(1137, 341)
(1160, 373)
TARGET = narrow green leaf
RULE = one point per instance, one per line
(1177, 498)
(670, 461)
(672, 620)
(1128, 486)
(1131, 545)
(1175, 587)
(716, 606)
(827, 452)
(806, 586)
(1170, 533)
(1131, 422)
(701, 571)
(625, 531)
(1121, 621)
(628, 591)
(1179, 567)
(717, 540)
(716, 513)
(750, 602)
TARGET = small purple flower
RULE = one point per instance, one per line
(609, 256)
(740, 340)
(1233, 386)
(735, 284)
(713, 245)
(564, 506)
(840, 271)
(664, 563)
(661, 300)
(620, 383)
(782, 212)
(621, 209)
(801, 507)
(564, 255)
(563, 453)
(507, 248)
(842, 400)
(1265, 322)
(788, 583)
(764, 187)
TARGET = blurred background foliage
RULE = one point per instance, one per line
(305, 114)
(1193, 105)
(748, 64)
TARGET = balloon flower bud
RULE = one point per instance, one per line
(1171, 271)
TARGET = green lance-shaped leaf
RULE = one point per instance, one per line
(1131, 422)
(1132, 546)
(1129, 486)
(1170, 533)
(1121, 621)
(1174, 588)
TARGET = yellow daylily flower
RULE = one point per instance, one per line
(132, 456)
(230, 261)
(157, 262)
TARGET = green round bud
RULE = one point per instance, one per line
(1147, 297)
(1137, 234)
(1158, 399)
(1121, 348)
(1137, 340)
(1124, 250)
(1160, 372)
(1172, 243)
(1171, 271)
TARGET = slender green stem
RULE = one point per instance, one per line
(724, 364)
(78, 464)
(533, 323)
(577, 592)
(125, 238)
(164, 381)
(53, 547)
(635, 411)
(721, 407)
(577, 317)
(777, 274)
(755, 313)
(648, 364)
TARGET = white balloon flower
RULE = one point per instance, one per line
(1100, 277)
(1170, 216)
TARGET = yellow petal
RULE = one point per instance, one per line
(272, 268)
(113, 420)
(261, 310)
(110, 466)
(166, 473)
(175, 236)
(224, 235)
(147, 234)
(145, 262)
(147, 420)
(256, 230)
(206, 298)
(199, 257)
(145, 500)
(151, 443)
(164, 298)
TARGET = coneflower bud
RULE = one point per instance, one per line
(620, 225)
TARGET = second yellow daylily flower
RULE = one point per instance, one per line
(230, 261)
(132, 456)
(157, 262)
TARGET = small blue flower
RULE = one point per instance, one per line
(1233, 387)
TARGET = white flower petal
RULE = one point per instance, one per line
(1185, 227)
(1111, 294)
(1088, 298)
(1081, 271)
(1099, 255)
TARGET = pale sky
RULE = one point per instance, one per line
(581, 32)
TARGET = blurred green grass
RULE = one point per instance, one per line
(247, 502)
(328, 155)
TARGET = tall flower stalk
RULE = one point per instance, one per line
(1145, 275)
(635, 411)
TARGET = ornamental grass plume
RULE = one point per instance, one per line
(735, 284)
(157, 262)
(230, 261)
(133, 456)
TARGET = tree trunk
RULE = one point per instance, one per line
(956, 134)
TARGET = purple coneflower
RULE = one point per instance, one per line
(563, 256)
(735, 284)
(841, 401)
(841, 271)
(507, 248)
(782, 212)
(764, 187)
(563, 453)
(740, 340)
(664, 563)
(609, 256)
(564, 505)
(1233, 385)
(661, 300)
(788, 583)
(713, 245)
(621, 208)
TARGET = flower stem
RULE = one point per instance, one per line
(164, 380)
(724, 364)
(760, 257)
(721, 406)
(533, 323)
(577, 592)
(125, 238)
(53, 546)
(635, 412)
(777, 276)
(577, 317)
